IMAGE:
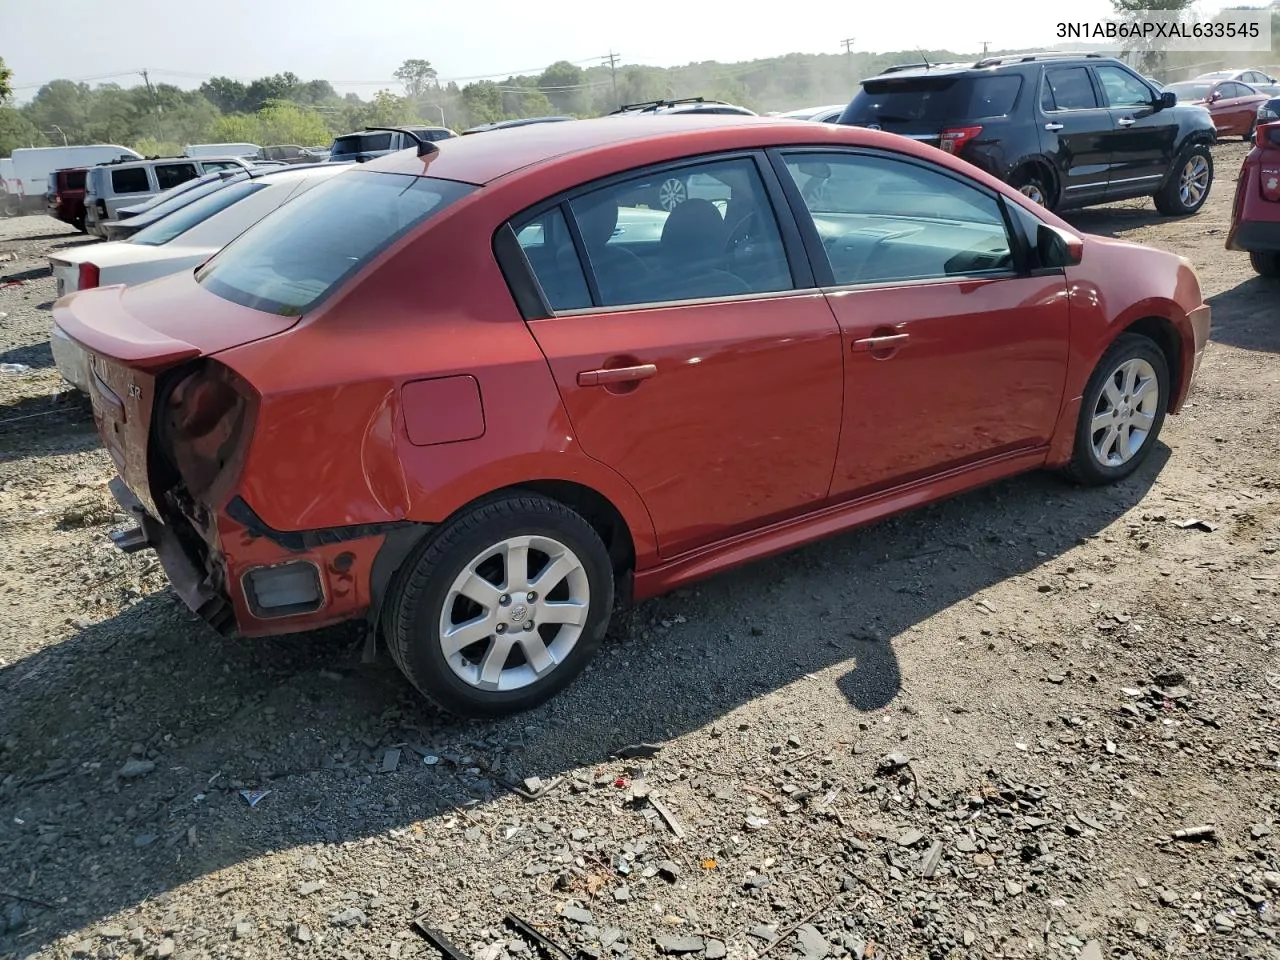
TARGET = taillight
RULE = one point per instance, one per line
(203, 425)
(1269, 181)
(102, 209)
(89, 275)
(954, 138)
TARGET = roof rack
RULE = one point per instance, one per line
(656, 104)
(1031, 57)
(425, 147)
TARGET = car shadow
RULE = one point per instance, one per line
(206, 717)
(49, 424)
(1248, 315)
(38, 356)
(1115, 221)
(24, 275)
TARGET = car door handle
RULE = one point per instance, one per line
(1125, 121)
(1053, 126)
(607, 375)
(886, 342)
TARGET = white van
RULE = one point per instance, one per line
(25, 175)
(221, 150)
(110, 186)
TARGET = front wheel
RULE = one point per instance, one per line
(1266, 262)
(503, 608)
(1188, 186)
(1122, 411)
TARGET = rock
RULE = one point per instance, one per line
(672, 944)
(111, 933)
(1141, 927)
(893, 761)
(243, 930)
(669, 870)
(1091, 951)
(716, 950)
(984, 860)
(929, 866)
(137, 936)
(622, 894)
(144, 840)
(757, 881)
(577, 914)
(1259, 830)
(1272, 880)
(302, 933)
(1012, 888)
(133, 769)
(165, 949)
(309, 887)
(765, 931)
(965, 845)
(910, 838)
(812, 943)
(1168, 898)
(350, 917)
(969, 938)
(580, 835)
(15, 918)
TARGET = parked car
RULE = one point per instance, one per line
(130, 220)
(1067, 130)
(25, 173)
(110, 186)
(687, 105)
(373, 142)
(184, 239)
(1267, 112)
(66, 196)
(1258, 79)
(291, 153)
(247, 151)
(1232, 105)
(380, 402)
(827, 114)
(1255, 214)
(508, 124)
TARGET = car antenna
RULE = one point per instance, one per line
(924, 59)
(425, 147)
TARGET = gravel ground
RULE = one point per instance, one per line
(979, 730)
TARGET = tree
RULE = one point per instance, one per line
(279, 87)
(6, 91)
(482, 102)
(417, 76)
(562, 83)
(290, 123)
(17, 131)
(224, 93)
(1151, 57)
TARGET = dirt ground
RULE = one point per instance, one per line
(973, 731)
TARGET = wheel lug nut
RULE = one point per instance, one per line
(504, 600)
(500, 628)
(528, 625)
(531, 597)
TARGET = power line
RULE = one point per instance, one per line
(848, 44)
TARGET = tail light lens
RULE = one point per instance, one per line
(1269, 181)
(102, 209)
(954, 138)
(89, 275)
(204, 425)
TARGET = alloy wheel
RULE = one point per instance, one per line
(1033, 192)
(671, 193)
(514, 613)
(1194, 181)
(1125, 412)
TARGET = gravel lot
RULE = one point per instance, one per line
(973, 731)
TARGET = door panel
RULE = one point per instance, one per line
(1076, 131)
(732, 419)
(1144, 139)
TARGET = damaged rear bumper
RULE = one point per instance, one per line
(190, 583)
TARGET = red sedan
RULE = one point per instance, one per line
(1233, 105)
(1255, 213)
(477, 392)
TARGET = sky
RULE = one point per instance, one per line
(358, 45)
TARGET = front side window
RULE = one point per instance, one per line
(171, 174)
(130, 180)
(1067, 88)
(548, 246)
(883, 220)
(288, 262)
(1122, 88)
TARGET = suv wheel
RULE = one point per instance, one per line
(1031, 184)
(1188, 185)
(671, 193)
(1266, 262)
(503, 608)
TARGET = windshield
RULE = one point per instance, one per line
(1189, 91)
(195, 212)
(289, 261)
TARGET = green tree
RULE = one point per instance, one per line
(63, 104)
(1152, 58)
(224, 93)
(17, 131)
(418, 76)
(388, 110)
(562, 82)
(290, 123)
(281, 86)
(482, 102)
(6, 91)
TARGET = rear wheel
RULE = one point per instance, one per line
(1188, 186)
(1033, 185)
(1122, 411)
(1248, 134)
(503, 608)
(1266, 262)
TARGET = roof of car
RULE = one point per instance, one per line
(483, 159)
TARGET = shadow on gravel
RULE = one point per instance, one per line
(1248, 316)
(37, 426)
(35, 238)
(35, 355)
(123, 750)
(1114, 221)
(23, 275)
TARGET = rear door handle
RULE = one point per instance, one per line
(608, 375)
(887, 342)
(1053, 126)
(1125, 121)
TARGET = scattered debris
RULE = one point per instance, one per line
(1195, 524)
(254, 797)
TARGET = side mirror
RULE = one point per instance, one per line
(1057, 248)
(1213, 97)
(1168, 99)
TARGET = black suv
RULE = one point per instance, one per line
(1068, 130)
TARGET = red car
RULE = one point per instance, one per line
(1255, 213)
(66, 196)
(1232, 105)
(473, 393)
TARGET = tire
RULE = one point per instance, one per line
(79, 224)
(1248, 134)
(1032, 185)
(427, 593)
(1170, 200)
(670, 193)
(1140, 354)
(1267, 263)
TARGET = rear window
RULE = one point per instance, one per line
(289, 261)
(72, 179)
(362, 143)
(179, 198)
(130, 180)
(196, 211)
(933, 99)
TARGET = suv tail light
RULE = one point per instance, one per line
(89, 275)
(204, 425)
(954, 138)
(1269, 181)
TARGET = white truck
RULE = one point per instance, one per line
(24, 176)
(195, 150)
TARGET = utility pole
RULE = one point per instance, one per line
(985, 44)
(613, 59)
(848, 44)
(154, 106)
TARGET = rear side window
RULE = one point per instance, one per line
(289, 261)
(362, 143)
(130, 180)
(171, 174)
(1067, 88)
(993, 96)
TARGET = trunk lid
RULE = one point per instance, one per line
(133, 335)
